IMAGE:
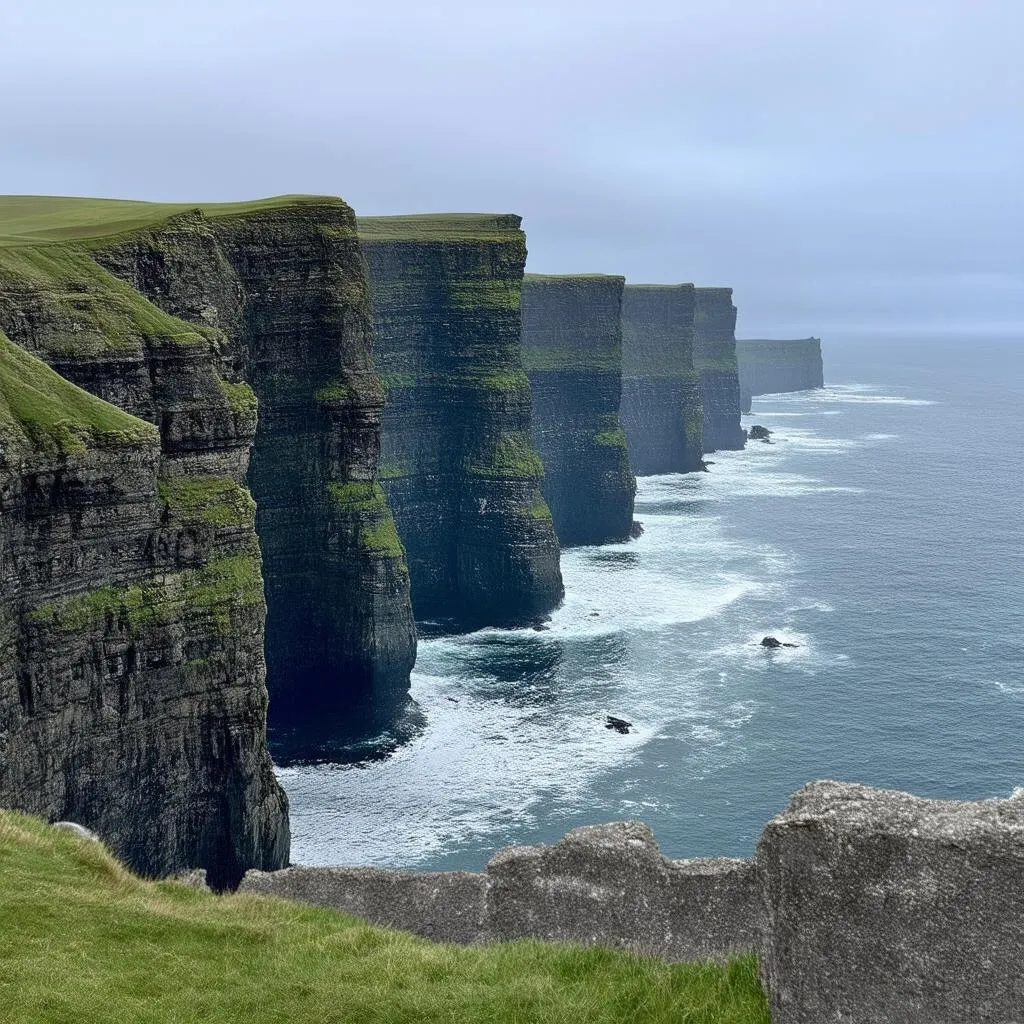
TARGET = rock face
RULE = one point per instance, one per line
(661, 409)
(714, 355)
(133, 679)
(772, 367)
(572, 349)
(287, 287)
(458, 464)
(883, 906)
(132, 695)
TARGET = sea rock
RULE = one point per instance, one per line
(758, 433)
(636, 530)
(661, 408)
(618, 724)
(771, 367)
(714, 356)
(458, 463)
(572, 350)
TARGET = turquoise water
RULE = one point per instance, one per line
(881, 531)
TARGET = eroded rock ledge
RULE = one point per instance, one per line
(572, 349)
(458, 462)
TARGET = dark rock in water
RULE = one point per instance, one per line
(771, 643)
(758, 433)
(636, 530)
(457, 460)
(661, 410)
(790, 645)
(595, 615)
(714, 356)
(618, 724)
(572, 351)
(541, 628)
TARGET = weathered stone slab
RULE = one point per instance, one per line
(447, 906)
(610, 885)
(885, 907)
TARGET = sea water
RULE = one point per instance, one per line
(880, 531)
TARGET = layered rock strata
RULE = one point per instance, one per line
(132, 694)
(572, 350)
(458, 463)
(714, 356)
(768, 367)
(133, 684)
(661, 408)
(287, 287)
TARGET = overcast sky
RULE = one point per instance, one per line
(841, 165)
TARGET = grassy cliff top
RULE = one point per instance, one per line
(41, 412)
(689, 286)
(32, 220)
(570, 278)
(86, 941)
(440, 227)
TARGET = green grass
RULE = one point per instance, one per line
(614, 438)
(514, 457)
(41, 413)
(357, 496)
(561, 279)
(207, 501)
(241, 399)
(440, 227)
(82, 941)
(224, 584)
(560, 360)
(30, 220)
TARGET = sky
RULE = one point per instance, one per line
(845, 167)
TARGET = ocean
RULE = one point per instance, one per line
(880, 531)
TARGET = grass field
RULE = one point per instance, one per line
(31, 220)
(439, 227)
(82, 941)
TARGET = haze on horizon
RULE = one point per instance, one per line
(843, 167)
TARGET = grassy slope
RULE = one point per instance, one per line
(31, 220)
(82, 942)
(439, 227)
(40, 411)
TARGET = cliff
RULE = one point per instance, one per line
(458, 464)
(132, 694)
(136, 696)
(772, 367)
(714, 355)
(572, 350)
(661, 409)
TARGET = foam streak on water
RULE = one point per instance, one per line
(888, 558)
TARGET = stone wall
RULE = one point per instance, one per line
(572, 350)
(866, 906)
(661, 411)
(770, 367)
(714, 355)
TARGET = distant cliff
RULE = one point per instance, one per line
(458, 463)
(769, 367)
(661, 407)
(133, 691)
(572, 349)
(714, 355)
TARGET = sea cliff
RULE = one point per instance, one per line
(714, 356)
(572, 349)
(769, 367)
(661, 408)
(458, 463)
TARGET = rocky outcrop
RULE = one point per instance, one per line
(572, 350)
(287, 288)
(882, 906)
(714, 355)
(773, 367)
(458, 464)
(661, 407)
(132, 695)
